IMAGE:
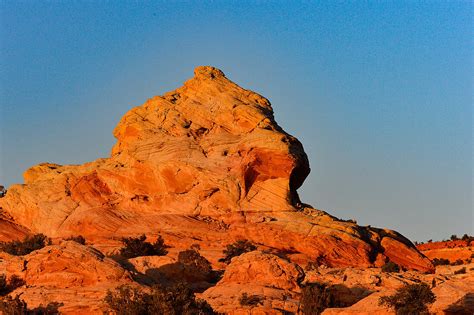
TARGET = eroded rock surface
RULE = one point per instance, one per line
(203, 165)
(209, 152)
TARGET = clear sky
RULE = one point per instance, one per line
(379, 93)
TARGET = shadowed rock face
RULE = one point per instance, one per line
(206, 163)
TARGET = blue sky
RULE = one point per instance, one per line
(379, 93)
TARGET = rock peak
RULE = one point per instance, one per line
(208, 72)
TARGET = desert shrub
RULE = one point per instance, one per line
(13, 306)
(454, 237)
(250, 300)
(440, 261)
(198, 266)
(315, 298)
(457, 262)
(390, 267)
(29, 244)
(127, 301)
(192, 259)
(3, 191)
(410, 299)
(236, 249)
(78, 239)
(9, 286)
(137, 246)
(460, 271)
(175, 300)
(16, 306)
(3, 285)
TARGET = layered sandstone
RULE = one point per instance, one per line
(451, 250)
(206, 164)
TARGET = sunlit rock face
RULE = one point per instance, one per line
(207, 164)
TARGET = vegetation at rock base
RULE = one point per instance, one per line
(460, 271)
(11, 285)
(78, 239)
(16, 306)
(390, 267)
(410, 299)
(138, 246)
(250, 300)
(236, 249)
(197, 265)
(175, 300)
(26, 246)
(440, 261)
(315, 298)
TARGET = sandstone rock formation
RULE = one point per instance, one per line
(451, 250)
(272, 278)
(206, 163)
(69, 273)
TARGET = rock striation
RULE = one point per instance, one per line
(207, 164)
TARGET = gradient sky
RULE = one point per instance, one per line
(379, 93)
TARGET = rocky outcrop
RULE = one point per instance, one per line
(207, 164)
(275, 280)
(74, 275)
(452, 250)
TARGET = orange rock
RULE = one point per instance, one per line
(205, 164)
(451, 250)
(77, 276)
(274, 279)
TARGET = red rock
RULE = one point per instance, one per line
(205, 164)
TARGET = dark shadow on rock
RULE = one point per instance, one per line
(174, 273)
(347, 296)
(464, 306)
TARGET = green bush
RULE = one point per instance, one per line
(13, 306)
(440, 261)
(460, 271)
(9, 286)
(137, 246)
(250, 300)
(193, 260)
(196, 266)
(78, 239)
(236, 249)
(16, 306)
(29, 244)
(390, 267)
(176, 300)
(410, 299)
(315, 298)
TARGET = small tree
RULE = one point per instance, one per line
(410, 299)
(236, 249)
(13, 306)
(315, 298)
(390, 267)
(3, 191)
(11, 285)
(137, 246)
(454, 237)
(29, 244)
